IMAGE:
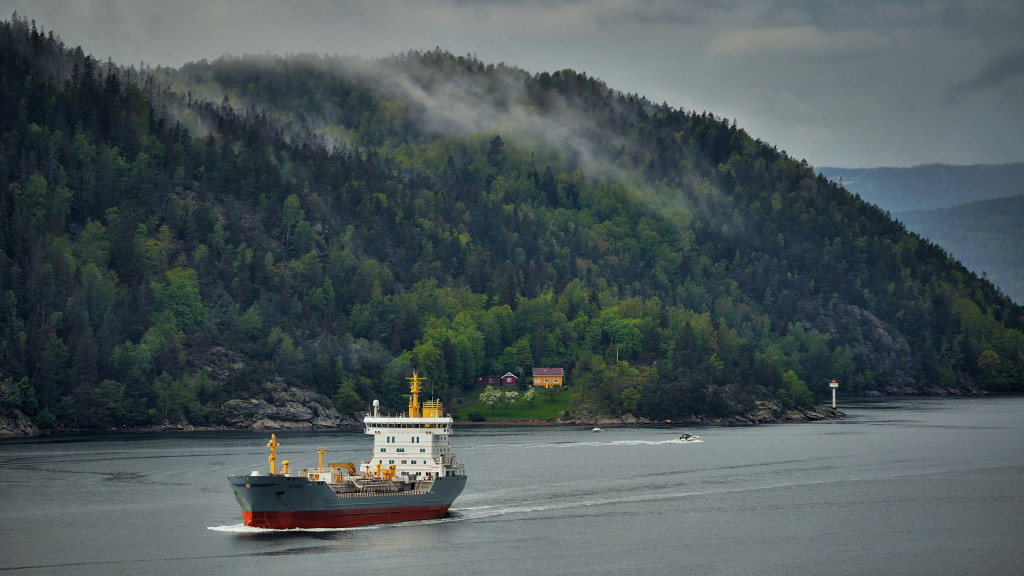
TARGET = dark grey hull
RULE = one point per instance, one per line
(296, 502)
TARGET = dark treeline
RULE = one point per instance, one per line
(171, 239)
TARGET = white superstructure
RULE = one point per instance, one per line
(414, 446)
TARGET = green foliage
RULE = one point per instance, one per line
(46, 420)
(10, 393)
(672, 265)
(178, 301)
(795, 392)
(347, 399)
(178, 399)
(518, 358)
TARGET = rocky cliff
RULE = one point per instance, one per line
(280, 406)
(17, 424)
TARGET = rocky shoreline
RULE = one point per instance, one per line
(766, 413)
(20, 425)
(296, 409)
(277, 407)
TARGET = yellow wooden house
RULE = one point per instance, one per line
(548, 377)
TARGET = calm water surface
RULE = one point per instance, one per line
(907, 486)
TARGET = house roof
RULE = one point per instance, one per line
(549, 371)
(510, 374)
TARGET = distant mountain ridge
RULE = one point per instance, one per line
(930, 186)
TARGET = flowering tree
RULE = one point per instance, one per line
(509, 398)
(490, 396)
(529, 396)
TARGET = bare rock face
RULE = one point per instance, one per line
(887, 350)
(17, 424)
(283, 407)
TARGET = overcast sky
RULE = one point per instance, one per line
(851, 83)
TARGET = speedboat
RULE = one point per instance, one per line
(688, 438)
(597, 429)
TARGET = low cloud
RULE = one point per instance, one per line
(868, 72)
(998, 71)
(805, 40)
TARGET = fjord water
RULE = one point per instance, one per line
(904, 486)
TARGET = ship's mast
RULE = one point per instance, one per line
(273, 445)
(414, 402)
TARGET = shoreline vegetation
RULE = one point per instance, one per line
(15, 424)
(313, 412)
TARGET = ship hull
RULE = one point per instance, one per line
(340, 518)
(283, 502)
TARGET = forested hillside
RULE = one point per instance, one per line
(173, 239)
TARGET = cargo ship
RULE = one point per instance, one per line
(412, 475)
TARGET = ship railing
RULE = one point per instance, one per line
(369, 494)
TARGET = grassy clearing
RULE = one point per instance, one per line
(544, 407)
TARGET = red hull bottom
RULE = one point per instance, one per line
(340, 518)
